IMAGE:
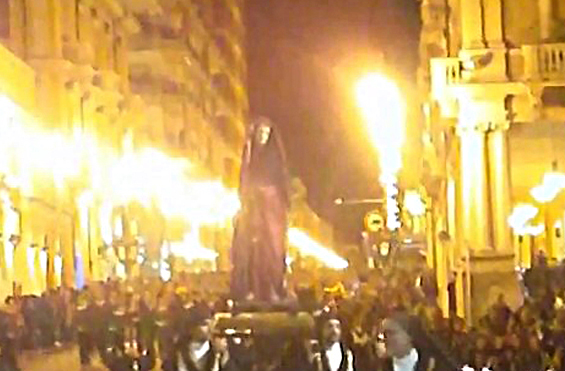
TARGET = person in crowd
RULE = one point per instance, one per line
(529, 338)
(196, 349)
(9, 336)
(332, 353)
(410, 348)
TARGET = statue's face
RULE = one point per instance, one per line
(263, 134)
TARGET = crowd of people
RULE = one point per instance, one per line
(166, 326)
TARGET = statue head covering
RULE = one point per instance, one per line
(264, 158)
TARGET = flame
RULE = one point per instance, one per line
(307, 246)
(110, 177)
(382, 106)
(191, 248)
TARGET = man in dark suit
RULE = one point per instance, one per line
(410, 348)
(195, 348)
(332, 353)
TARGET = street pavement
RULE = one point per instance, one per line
(63, 359)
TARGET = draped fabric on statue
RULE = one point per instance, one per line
(258, 249)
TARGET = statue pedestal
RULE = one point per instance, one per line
(491, 274)
(255, 324)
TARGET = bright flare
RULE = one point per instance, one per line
(29, 155)
(553, 183)
(520, 220)
(414, 204)
(191, 248)
(382, 106)
(309, 247)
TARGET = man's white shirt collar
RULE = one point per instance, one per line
(334, 356)
(197, 351)
(406, 363)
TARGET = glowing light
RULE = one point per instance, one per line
(112, 177)
(121, 270)
(165, 272)
(309, 247)
(84, 201)
(288, 261)
(382, 106)
(30, 255)
(58, 265)
(43, 260)
(104, 220)
(118, 227)
(520, 220)
(522, 214)
(553, 183)
(414, 204)
(191, 248)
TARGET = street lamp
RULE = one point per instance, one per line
(382, 106)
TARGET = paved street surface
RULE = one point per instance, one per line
(56, 360)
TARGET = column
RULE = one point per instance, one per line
(471, 24)
(430, 233)
(5, 282)
(17, 28)
(442, 268)
(488, 268)
(499, 168)
(22, 273)
(452, 227)
(95, 243)
(69, 21)
(43, 29)
(474, 213)
(551, 240)
(67, 250)
(51, 253)
(523, 251)
(492, 19)
(546, 20)
(82, 252)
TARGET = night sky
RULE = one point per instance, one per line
(303, 59)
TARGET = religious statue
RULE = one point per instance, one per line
(258, 249)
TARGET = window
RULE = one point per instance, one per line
(553, 96)
(4, 19)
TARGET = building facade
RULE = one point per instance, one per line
(492, 80)
(160, 74)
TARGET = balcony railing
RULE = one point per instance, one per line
(544, 62)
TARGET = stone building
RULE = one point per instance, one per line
(157, 73)
(492, 83)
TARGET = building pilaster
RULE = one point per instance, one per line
(499, 177)
(471, 24)
(492, 20)
(474, 213)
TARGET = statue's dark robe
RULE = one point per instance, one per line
(258, 250)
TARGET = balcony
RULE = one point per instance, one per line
(541, 64)
(545, 62)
